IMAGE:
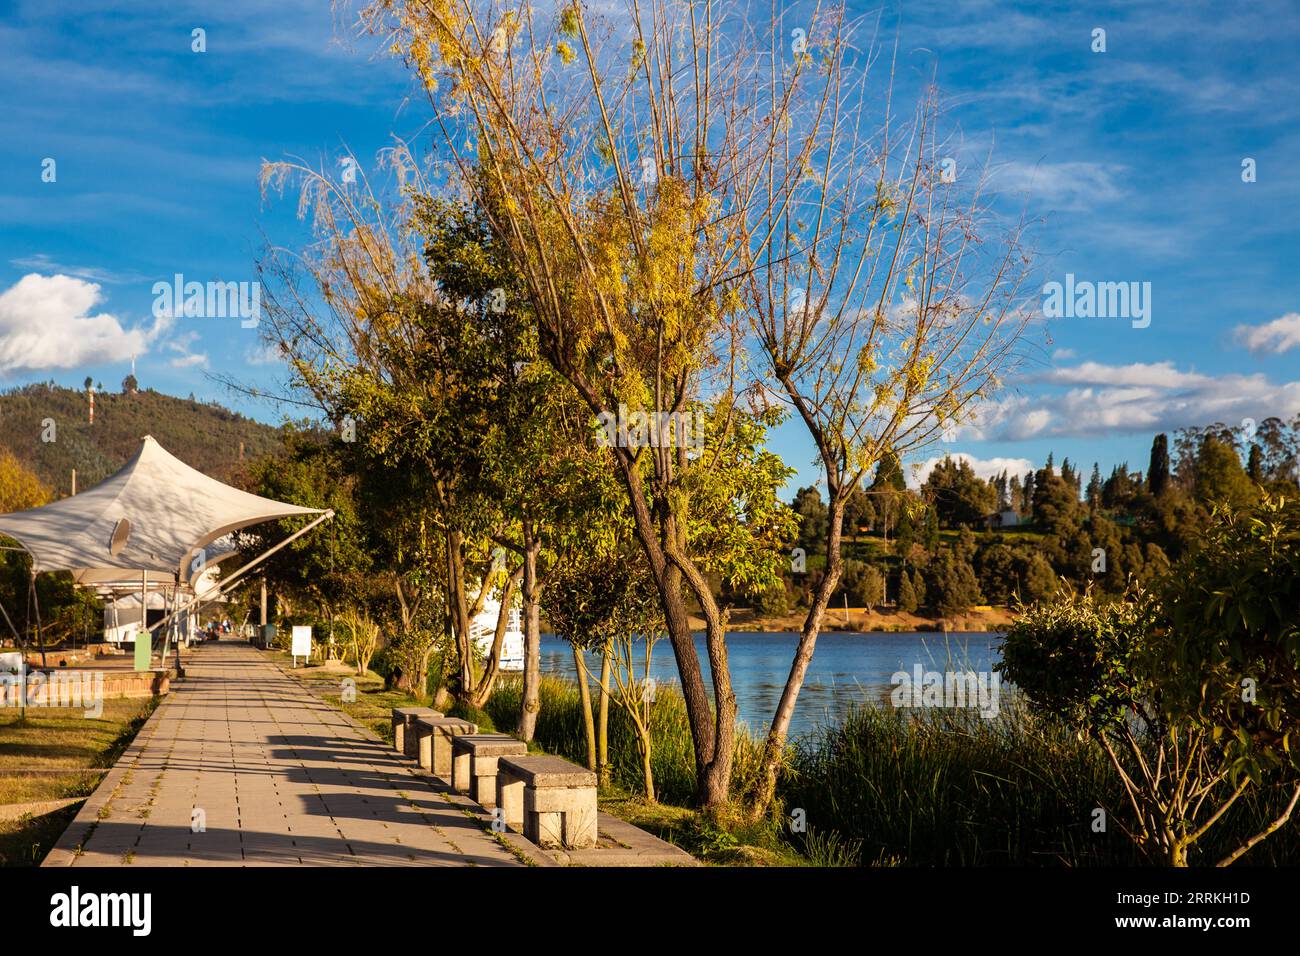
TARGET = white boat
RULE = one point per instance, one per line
(483, 627)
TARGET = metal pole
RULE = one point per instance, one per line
(230, 581)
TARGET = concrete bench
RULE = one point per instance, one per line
(551, 800)
(433, 742)
(474, 764)
(403, 727)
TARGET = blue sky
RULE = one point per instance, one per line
(1131, 161)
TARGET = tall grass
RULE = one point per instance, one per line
(560, 730)
(916, 788)
(944, 788)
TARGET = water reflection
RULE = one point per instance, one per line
(847, 668)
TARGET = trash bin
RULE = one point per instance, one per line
(268, 635)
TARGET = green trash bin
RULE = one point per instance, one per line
(268, 635)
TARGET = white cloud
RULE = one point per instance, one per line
(1063, 186)
(1139, 398)
(43, 263)
(184, 357)
(46, 323)
(983, 467)
(1061, 355)
(1280, 335)
(264, 355)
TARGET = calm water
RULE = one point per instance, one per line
(847, 668)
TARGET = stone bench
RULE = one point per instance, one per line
(404, 724)
(433, 742)
(551, 800)
(474, 764)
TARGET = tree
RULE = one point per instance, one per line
(907, 601)
(603, 602)
(953, 584)
(1232, 638)
(1158, 469)
(1255, 465)
(20, 488)
(1094, 488)
(812, 514)
(864, 585)
(130, 385)
(957, 495)
(1038, 581)
(635, 255)
(1104, 670)
(1220, 478)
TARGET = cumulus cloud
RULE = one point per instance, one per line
(1280, 335)
(1093, 398)
(48, 322)
(983, 467)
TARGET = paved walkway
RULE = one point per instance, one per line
(280, 777)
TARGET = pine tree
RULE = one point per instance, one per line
(1255, 465)
(1094, 487)
(906, 594)
(1158, 470)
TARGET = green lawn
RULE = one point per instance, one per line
(56, 754)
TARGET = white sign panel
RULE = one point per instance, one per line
(301, 640)
(11, 662)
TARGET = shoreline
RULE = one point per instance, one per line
(864, 620)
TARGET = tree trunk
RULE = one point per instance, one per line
(602, 733)
(774, 748)
(483, 689)
(532, 703)
(647, 772)
(712, 723)
(585, 692)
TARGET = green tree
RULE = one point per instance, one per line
(1220, 478)
(863, 584)
(1105, 670)
(953, 586)
(1158, 469)
(810, 508)
(957, 495)
(907, 600)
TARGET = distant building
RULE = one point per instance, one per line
(1005, 519)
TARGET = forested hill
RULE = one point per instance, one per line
(205, 436)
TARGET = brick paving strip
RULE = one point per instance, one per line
(279, 777)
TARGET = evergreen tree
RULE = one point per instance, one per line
(1158, 470)
(1094, 487)
(918, 587)
(906, 594)
(955, 586)
(1220, 477)
(1255, 465)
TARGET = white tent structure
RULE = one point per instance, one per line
(156, 523)
(156, 515)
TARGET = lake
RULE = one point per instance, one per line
(848, 668)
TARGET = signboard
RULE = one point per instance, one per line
(143, 651)
(301, 646)
(13, 673)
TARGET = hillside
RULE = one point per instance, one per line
(204, 436)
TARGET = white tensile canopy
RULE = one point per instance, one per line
(149, 520)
